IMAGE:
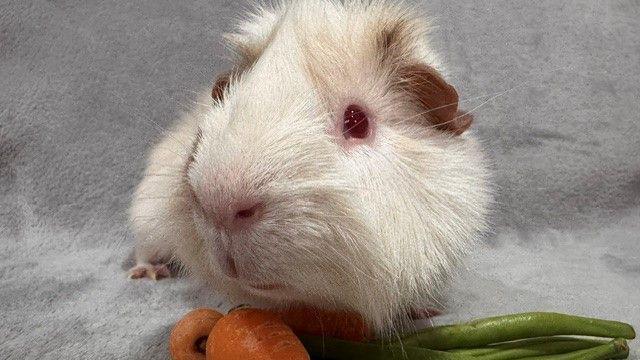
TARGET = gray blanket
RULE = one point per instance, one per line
(82, 83)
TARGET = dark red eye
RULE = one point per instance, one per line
(355, 123)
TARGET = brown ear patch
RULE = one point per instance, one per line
(220, 86)
(438, 99)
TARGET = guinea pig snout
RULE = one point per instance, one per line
(235, 215)
(228, 265)
(232, 211)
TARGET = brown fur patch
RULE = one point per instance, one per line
(220, 86)
(433, 95)
(438, 99)
(392, 42)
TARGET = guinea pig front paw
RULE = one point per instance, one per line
(151, 271)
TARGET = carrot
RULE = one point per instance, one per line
(343, 325)
(188, 337)
(253, 334)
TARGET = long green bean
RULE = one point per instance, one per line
(615, 349)
(335, 349)
(530, 347)
(476, 352)
(499, 329)
(551, 348)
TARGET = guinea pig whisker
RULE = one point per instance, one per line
(149, 120)
(491, 96)
(198, 103)
(158, 216)
(482, 104)
(179, 154)
(154, 220)
(161, 175)
(161, 197)
(147, 217)
(179, 169)
(146, 193)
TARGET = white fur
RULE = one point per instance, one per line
(375, 228)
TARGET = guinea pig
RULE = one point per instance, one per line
(330, 167)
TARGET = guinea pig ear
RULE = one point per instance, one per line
(253, 34)
(220, 86)
(247, 42)
(435, 97)
(437, 100)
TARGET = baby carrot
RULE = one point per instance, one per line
(343, 325)
(513, 327)
(253, 334)
(189, 335)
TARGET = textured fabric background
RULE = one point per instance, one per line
(81, 83)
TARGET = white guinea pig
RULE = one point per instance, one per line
(329, 168)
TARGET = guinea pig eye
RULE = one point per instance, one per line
(355, 123)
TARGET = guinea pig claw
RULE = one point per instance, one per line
(151, 271)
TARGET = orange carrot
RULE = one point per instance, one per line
(342, 325)
(189, 335)
(253, 334)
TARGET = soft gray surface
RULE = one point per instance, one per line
(80, 81)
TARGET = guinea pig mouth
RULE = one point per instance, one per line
(269, 292)
(266, 286)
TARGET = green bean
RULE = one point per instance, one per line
(546, 340)
(335, 349)
(499, 329)
(615, 349)
(530, 347)
(477, 352)
(551, 348)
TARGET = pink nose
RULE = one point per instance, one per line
(236, 215)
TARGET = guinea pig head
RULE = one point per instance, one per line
(332, 168)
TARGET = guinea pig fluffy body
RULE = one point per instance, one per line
(329, 168)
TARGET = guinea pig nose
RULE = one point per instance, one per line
(237, 215)
(246, 213)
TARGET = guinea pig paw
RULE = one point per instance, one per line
(423, 314)
(151, 271)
